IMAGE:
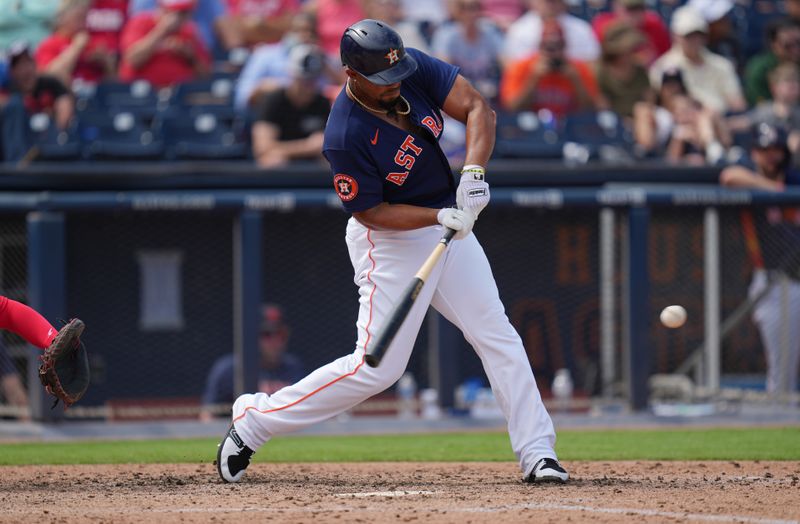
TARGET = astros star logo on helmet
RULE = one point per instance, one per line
(392, 56)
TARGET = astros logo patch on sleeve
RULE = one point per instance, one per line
(346, 187)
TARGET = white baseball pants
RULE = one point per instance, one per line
(776, 316)
(463, 290)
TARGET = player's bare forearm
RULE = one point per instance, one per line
(398, 217)
(465, 104)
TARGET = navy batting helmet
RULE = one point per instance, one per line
(376, 51)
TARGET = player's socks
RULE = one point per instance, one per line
(26, 322)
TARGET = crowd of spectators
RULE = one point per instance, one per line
(677, 80)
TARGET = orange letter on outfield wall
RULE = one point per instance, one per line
(573, 255)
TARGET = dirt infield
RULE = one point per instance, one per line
(403, 492)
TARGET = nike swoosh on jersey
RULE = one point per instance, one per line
(375, 138)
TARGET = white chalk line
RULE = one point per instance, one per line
(383, 494)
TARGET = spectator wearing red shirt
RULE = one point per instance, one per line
(69, 54)
(333, 17)
(105, 21)
(549, 80)
(163, 46)
(247, 23)
(648, 22)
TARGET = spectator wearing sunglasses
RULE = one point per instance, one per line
(784, 46)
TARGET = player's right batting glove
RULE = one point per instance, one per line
(473, 191)
(460, 220)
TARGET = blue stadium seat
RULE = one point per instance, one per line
(138, 97)
(52, 143)
(527, 135)
(118, 135)
(217, 91)
(602, 135)
(203, 136)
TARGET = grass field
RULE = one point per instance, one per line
(694, 444)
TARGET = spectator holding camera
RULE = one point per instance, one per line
(292, 119)
(549, 80)
(525, 35)
(692, 132)
(164, 46)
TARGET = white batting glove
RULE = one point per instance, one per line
(473, 191)
(461, 220)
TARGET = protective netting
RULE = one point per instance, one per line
(13, 284)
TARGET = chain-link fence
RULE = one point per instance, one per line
(156, 290)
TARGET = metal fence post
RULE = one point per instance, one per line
(608, 311)
(712, 299)
(46, 294)
(638, 305)
(247, 264)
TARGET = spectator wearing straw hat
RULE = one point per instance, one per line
(621, 74)
(636, 14)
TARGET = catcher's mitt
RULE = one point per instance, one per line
(64, 371)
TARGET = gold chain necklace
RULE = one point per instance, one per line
(378, 111)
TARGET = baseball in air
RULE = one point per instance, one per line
(673, 316)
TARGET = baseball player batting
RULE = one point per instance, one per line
(381, 141)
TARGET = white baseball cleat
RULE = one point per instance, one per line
(233, 456)
(548, 470)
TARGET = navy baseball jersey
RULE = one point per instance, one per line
(374, 161)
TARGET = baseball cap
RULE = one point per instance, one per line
(764, 135)
(16, 51)
(177, 5)
(272, 319)
(711, 10)
(306, 61)
(687, 20)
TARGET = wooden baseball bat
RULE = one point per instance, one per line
(403, 306)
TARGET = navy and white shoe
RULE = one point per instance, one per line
(233, 456)
(548, 470)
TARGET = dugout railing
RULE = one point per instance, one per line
(168, 280)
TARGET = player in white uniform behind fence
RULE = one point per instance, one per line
(391, 175)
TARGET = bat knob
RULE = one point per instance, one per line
(371, 361)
